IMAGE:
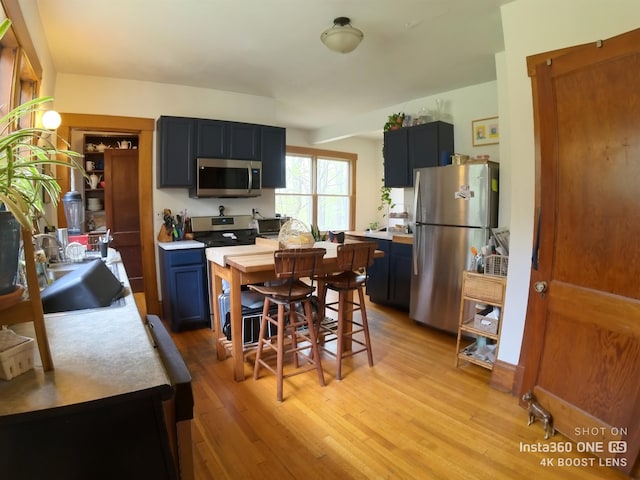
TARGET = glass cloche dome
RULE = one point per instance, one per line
(295, 234)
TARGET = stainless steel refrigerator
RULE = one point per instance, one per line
(455, 208)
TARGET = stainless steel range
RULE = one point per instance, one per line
(224, 231)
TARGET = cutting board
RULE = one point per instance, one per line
(219, 255)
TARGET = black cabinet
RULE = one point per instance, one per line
(400, 275)
(396, 158)
(122, 436)
(244, 141)
(176, 138)
(219, 139)
(415, 147)
(274, 150)
(378, 280)
(181, 140)
(185, 298)
(389, 281)
(212, 139)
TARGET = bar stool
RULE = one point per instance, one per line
(353, 259)
(290, 265)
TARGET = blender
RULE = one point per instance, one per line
(74, 211)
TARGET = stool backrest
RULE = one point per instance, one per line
(294, 263)
(356, 255)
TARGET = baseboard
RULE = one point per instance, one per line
(503, 376)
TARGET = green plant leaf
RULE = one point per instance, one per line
(24, 152)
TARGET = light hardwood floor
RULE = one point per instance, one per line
(412, 416)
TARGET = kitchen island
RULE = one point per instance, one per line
(244, 265)
(99, 413)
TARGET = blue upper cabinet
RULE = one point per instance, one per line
(244, 141)
(273, 145)
(396, 158)
(219, 139)
(415, 147)
(176, 138)
(212, 139)
(182, 140)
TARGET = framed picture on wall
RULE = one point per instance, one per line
(485, 131)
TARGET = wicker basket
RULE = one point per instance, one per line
(496, 265)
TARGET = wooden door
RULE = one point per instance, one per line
(581, 348)
(122, 210)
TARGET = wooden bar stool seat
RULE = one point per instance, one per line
(294, 319)
(353, 260)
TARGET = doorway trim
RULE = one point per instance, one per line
(144, 128)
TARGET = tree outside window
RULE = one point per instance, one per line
(319, 188)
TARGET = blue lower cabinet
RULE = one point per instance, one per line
(378, 280)
(389, 281)
(185, 296)
(400, 275)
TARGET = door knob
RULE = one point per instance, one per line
(540, 287)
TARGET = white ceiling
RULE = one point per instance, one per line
(411, 48)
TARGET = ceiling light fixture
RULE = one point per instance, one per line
(342, 37)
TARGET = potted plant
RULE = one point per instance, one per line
(394, 121)
(24, 153)
(385, 199)
(318, 236)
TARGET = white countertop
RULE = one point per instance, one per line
(180, 245)
(383, 235)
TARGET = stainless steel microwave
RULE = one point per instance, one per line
(219, 177)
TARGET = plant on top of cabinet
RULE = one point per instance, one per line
(394, 121)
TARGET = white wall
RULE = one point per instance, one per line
(83, 94)
(461, 107)
(107, 96)
(530, 27)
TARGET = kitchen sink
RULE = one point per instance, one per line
(85, 285)
(56, 271)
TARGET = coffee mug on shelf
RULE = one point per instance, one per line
(90, 165)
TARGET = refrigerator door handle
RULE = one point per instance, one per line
(418, 220)
(416, 249)
(416, 197)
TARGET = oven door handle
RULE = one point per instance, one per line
(250, 179)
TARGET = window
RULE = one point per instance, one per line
(20, 69)
(320, 188)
